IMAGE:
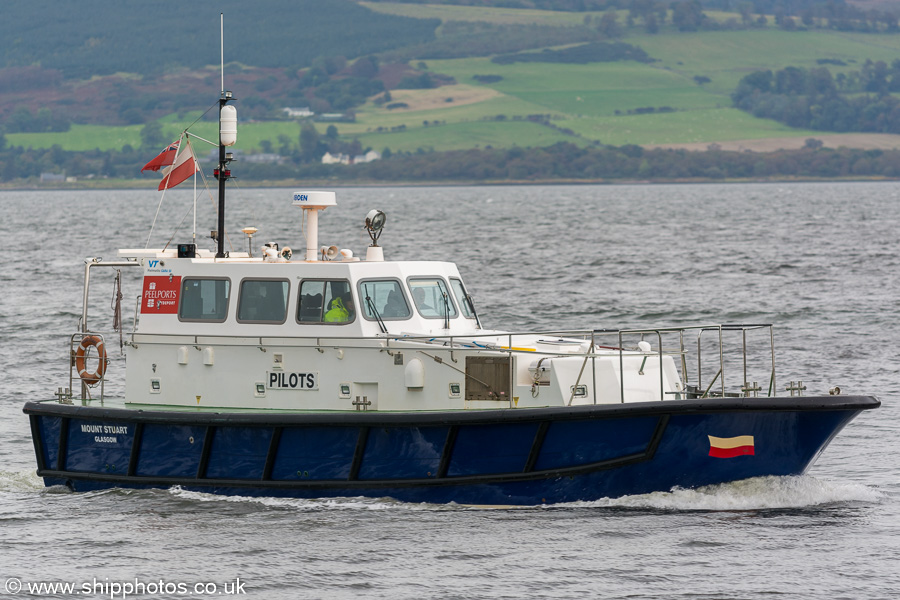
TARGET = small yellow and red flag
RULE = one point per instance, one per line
(741, 445)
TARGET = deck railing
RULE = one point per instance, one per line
(669, 341)
(622, 337)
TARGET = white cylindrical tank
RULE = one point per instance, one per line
(228, 125)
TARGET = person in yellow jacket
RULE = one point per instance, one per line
(340, 311)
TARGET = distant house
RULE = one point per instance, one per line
(298, 113)
(346, 159)
(334, 159)
(263, 157)
(53, 176)
(336, 117)
(367, 157)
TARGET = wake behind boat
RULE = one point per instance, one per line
(331, 375)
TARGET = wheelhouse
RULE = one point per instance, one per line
(358, 299)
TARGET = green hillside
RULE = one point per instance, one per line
(101, 37)
(682, 96)
(585, 98)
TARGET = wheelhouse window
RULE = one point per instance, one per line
(326, 301)
(204, 299)
(462, 298)
(263, 301)
(432, 298)
(384, 297)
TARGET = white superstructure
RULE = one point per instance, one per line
(274, 332)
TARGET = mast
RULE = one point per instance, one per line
(222, 173)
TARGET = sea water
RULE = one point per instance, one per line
(820, 260)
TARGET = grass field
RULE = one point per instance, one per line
(506, 16)
(582, 98)
(460, 136)
(90, 137)
(80, 138)
(372, 117)
(725, 57)
(592, 89)
(500, 16)
(707, 125)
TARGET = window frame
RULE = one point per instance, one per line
(227, 299)
(287, 301)
(449, 295)
(461, 301)
(406, 299)
(325, 280)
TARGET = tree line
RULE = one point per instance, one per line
(566, 161)
(814, 99)
(560, 162)
(788, 14)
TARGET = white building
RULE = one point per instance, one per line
(346, 159)
(298, 113)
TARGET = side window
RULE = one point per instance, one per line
(204, 299)
(263, 301)
(462, 298)
(386, 296)
(431, 298)
(326, 301)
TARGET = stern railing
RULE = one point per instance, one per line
(625, 346)
(85, 331)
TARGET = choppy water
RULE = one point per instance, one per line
(822, 261)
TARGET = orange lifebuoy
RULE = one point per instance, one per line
(86, 342)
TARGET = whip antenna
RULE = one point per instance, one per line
(222, 48)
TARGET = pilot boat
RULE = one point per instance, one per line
(330, 375)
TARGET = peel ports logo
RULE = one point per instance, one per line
(160, 295)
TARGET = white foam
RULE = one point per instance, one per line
(350, 503)
(748, 494)
(20, 481)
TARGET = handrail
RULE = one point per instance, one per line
(97, 262)
(540, 345)
(83, 328)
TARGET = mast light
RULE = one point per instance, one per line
(374, 227)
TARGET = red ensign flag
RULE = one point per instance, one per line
(165, 158)
(185, 165)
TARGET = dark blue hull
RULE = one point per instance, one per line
(518, 456)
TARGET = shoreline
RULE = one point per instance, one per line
(137, 184)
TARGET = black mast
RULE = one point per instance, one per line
(222, 174)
